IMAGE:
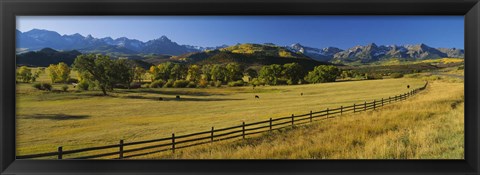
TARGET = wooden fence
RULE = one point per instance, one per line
(124, 150)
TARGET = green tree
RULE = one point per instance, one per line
(218, 72)
(194, 73)
(234, 72)
(124, 72)
(63, 72)
(293, 72)
(177, 72)
(344, 74)
(322, 74)
(164, 71)
(252, 73)
(24, 74)
(99, 68)
(139, 73)
(52, 72)
(59, 73)
(270, 74)
(206, 71)
(35, 75)
(153, 71)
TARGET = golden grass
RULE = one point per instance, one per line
(46, 120)
(444, 60)
(426, 126)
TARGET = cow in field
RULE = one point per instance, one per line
(177, 97)
(256, 96)
(408, 86)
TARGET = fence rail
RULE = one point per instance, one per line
(146, 147)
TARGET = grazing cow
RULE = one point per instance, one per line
(408, 86)
(160, 98)
(177, 97)
(256, 96)
(301, 94)
(74, 85)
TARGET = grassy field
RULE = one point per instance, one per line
(426, 126)
(46, 120)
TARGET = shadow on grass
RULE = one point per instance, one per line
(55, 116)
(180, 99)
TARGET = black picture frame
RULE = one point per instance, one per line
(11, 8)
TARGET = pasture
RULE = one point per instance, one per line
(427, 126)
(74, 119)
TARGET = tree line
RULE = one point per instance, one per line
(99, 71)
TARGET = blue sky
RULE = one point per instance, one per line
(314, 31)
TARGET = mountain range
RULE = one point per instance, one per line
(372, 53)
(250, 55)
(37, 39)
(164, 49)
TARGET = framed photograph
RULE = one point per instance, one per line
(239, 87)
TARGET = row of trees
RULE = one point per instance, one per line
(294, 73)
(93, 70)
(105, 73)
(291, 73)
(25, 74)
(174, 71)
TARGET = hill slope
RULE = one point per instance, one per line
(249, 54)
(46, 56)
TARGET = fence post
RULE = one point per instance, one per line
(389, 100)
(60, 152)
(395, 98)
(354, 108)
(374, 104)
(120, 156)
(327, 112)
(293, 119)
(341, 110)
(382, 102)
(365, 106)
(173, 142)
(405, 96)
(243, 129)
(270, 124)
(310, 116)
(211, 135)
